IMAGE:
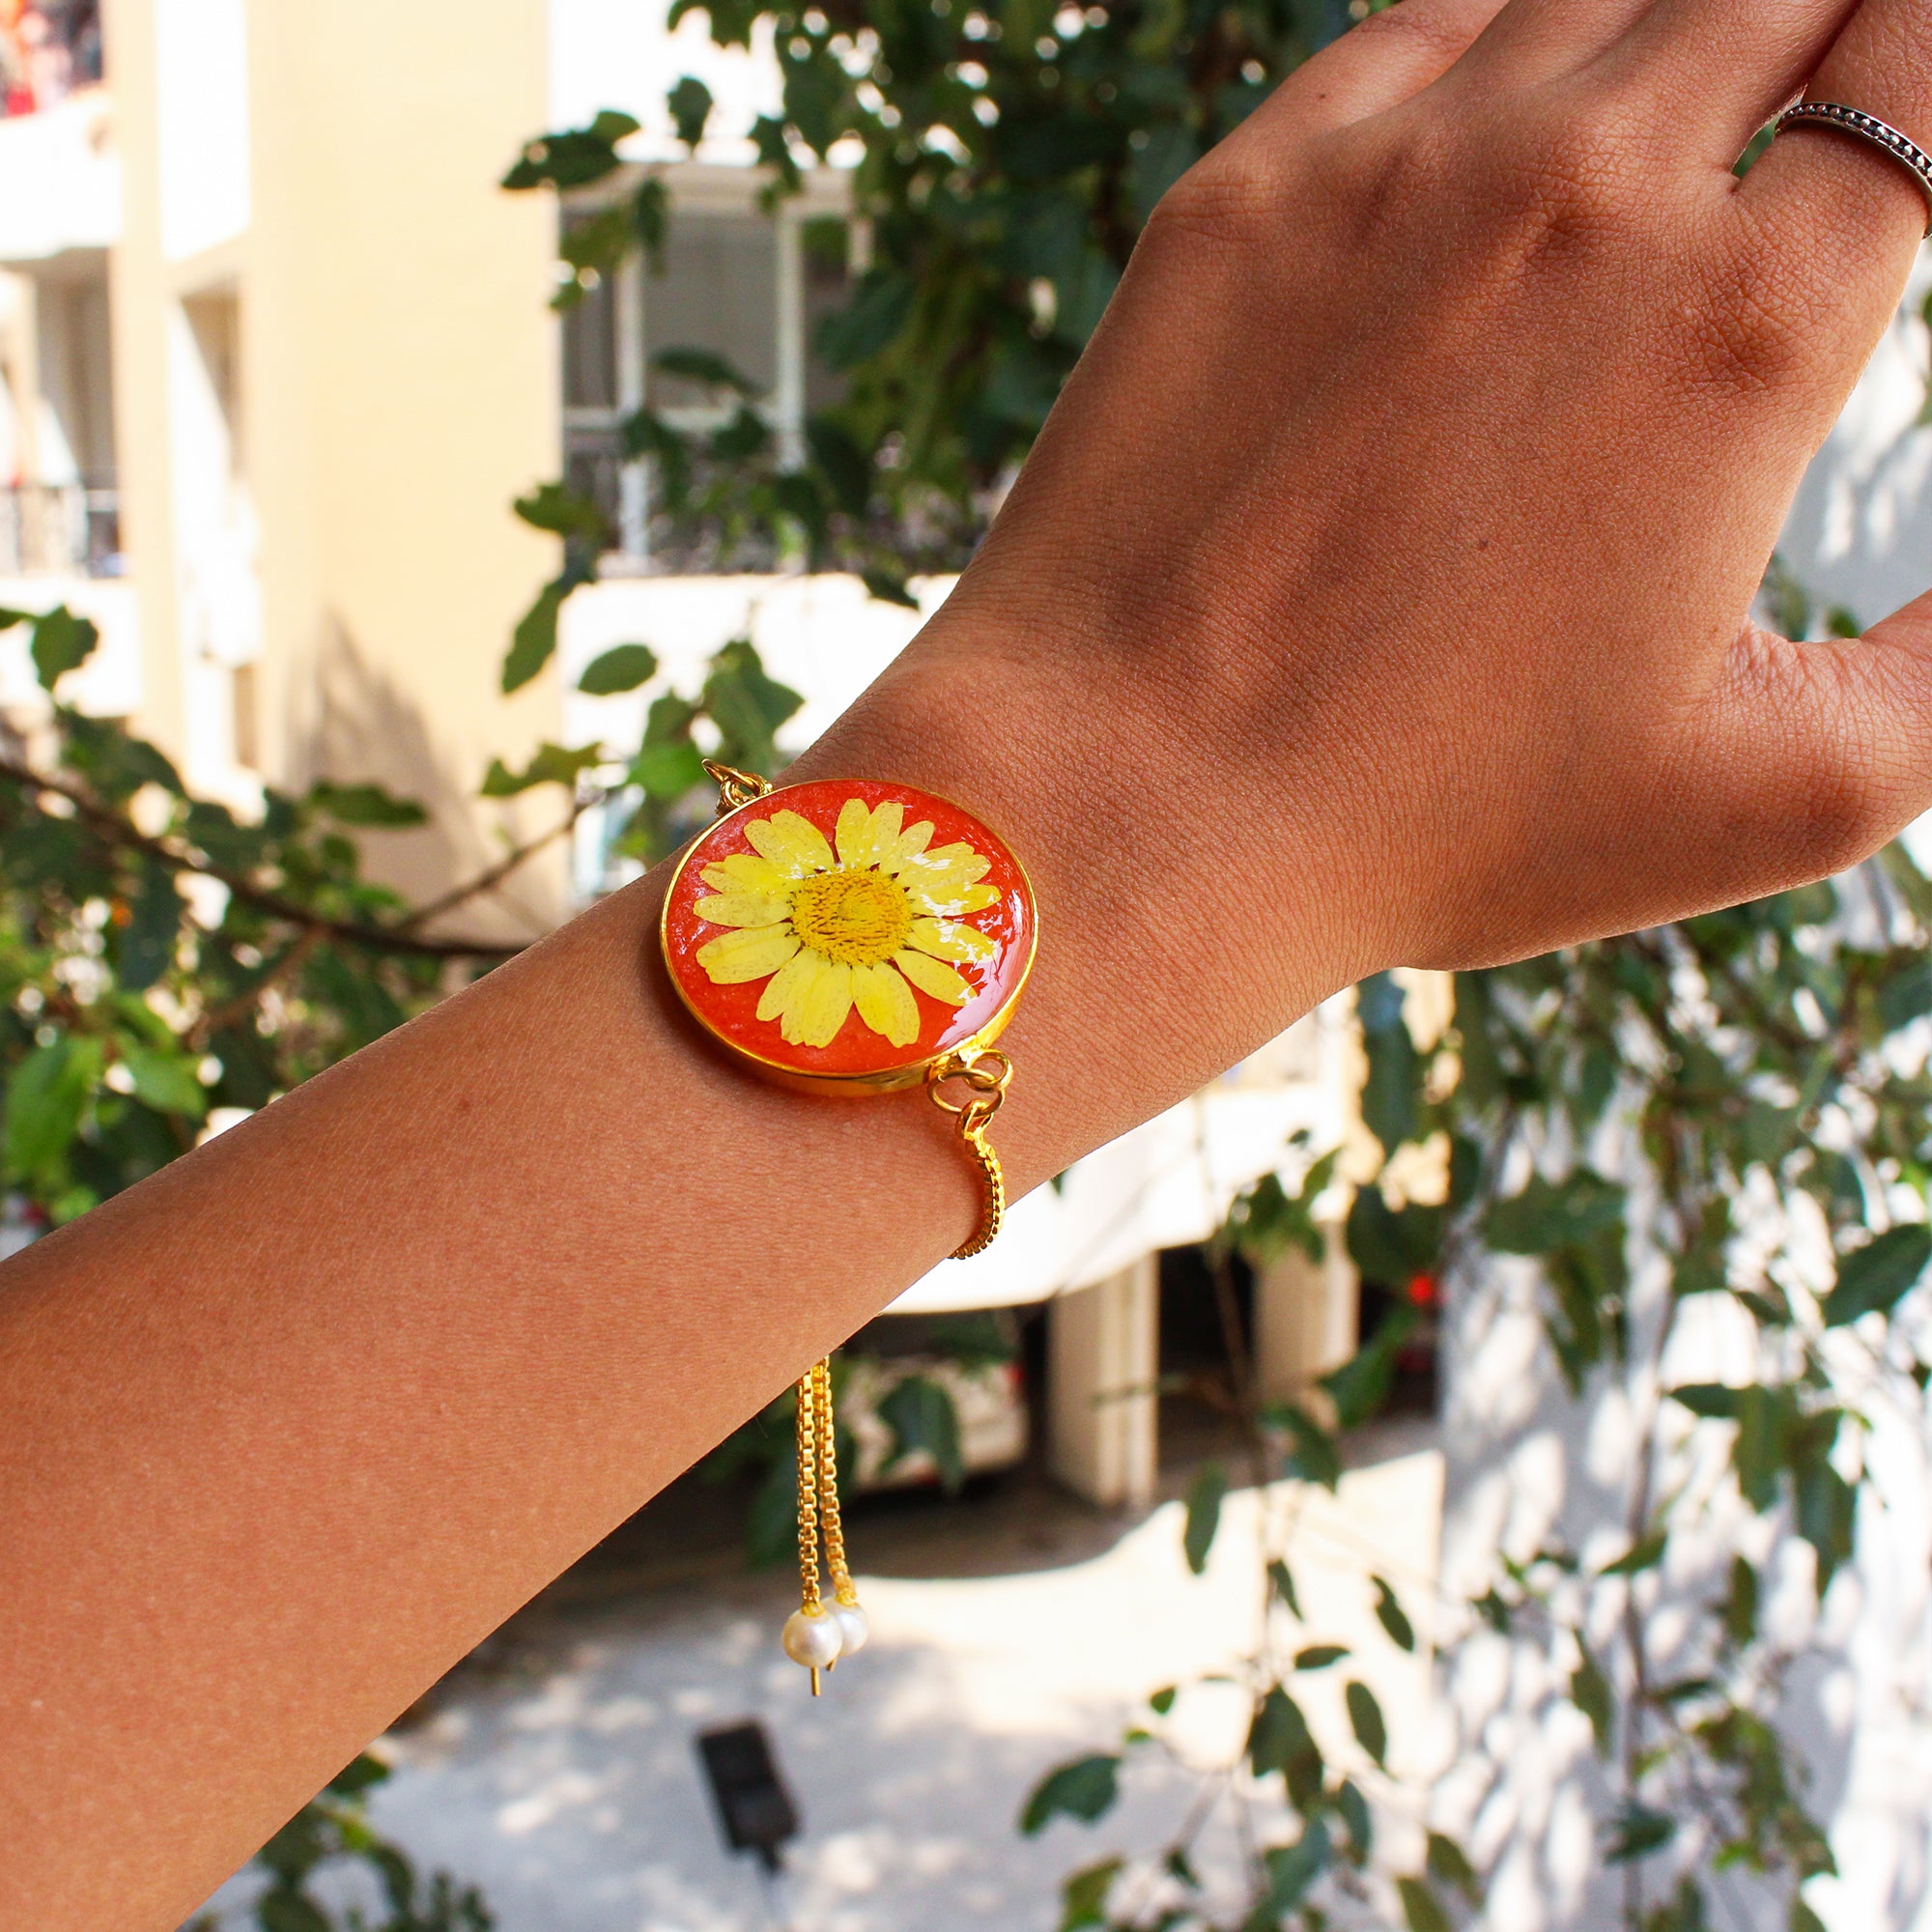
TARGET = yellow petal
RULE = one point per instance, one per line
(790, 842)
(822, 1006)
(952, 905)
(787, 986)
(734, 958)
(885, 1002)
(886, 822)
(909, 844)
(744, 909)
(946, 869)
(932, 975)
(854, 834)
(945, 940)
(747, 872)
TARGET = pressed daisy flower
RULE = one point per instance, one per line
(851, 928)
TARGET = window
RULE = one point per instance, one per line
(747, 287)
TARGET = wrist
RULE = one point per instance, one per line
(1180, 930)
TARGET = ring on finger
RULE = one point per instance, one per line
(1869, 128)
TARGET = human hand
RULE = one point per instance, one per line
(1378, 591)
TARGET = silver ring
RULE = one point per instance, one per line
(1867, 128)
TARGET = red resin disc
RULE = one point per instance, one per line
(826, 933)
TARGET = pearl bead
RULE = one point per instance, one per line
(812, 1638)
(853, 1628)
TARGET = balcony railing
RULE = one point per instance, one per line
(48, 49)
(59, 529)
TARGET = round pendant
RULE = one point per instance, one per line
(846, 934)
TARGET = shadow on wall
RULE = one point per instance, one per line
(361, 728)
(1528, 1468)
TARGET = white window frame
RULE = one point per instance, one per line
(707, 187)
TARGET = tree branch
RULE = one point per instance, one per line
(494, 875)
(117, 829)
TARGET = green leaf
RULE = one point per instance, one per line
(1360, 1386)
(1085, 1789)
(1391, 1614)
(889, 587)
(1279, 1740)
(1319, 1656)
(667, 771)
(622, 668)
(1590, 1692)
(62, 642)
(359, 1775)
(1448, 1864)
(1205, 1496)
(1283, 1580)
(1872, 1279)
(689, 104)
(1420, 1910)
(144, 948)
(1646, 1554)
(1553, 1214)
(922, 1416)
(365, 805)
(553, 764)
(278, 1911)
(1354, 1812)
(565, 512)
(47, 1095)
(534, 642)
(880, 307)
(572, 157)
(1292, 1869)
(1905, 993)
(1637, 1831)
(704, 367)
(747, 706)
(1313, 1455)
(165, 1080)
(1391, 1096)
(1161, 1702)
(1740, 1609)
(1268, 1221)
(1712, 1400)
(1365, 1718)
(846, 467)
(1827, 1515)
(1393, 1247)
(1803, 1918)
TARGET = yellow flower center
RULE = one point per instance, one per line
(856, 917)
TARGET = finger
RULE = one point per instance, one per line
(1861, 210)
(1536, 40)
(1818, 752)
(1388, 59)
(1721, 69)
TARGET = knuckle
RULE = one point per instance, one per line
(1231, 195)
(1574, 182)
(1748, 331)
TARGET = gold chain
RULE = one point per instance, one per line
(986, 1073)
(843, 1590)
(807, 1491)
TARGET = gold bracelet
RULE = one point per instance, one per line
(851, 937)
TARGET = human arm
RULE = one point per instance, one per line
(1376, 594)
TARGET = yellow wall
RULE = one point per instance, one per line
(398, 386)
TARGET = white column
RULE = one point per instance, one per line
(1103, 1358)
(1305, 1318)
